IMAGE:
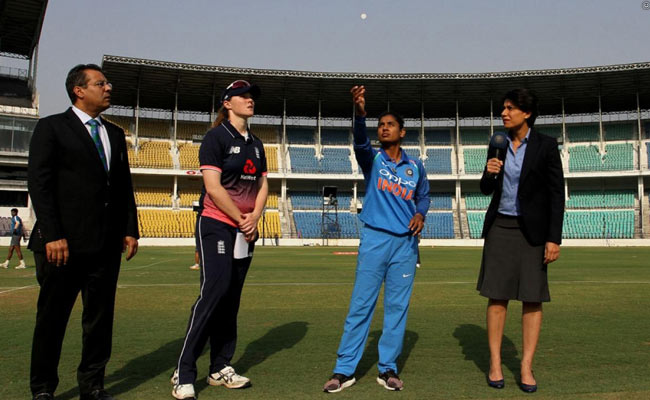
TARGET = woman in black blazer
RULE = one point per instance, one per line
(522, 230)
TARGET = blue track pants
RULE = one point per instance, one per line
(383, 257)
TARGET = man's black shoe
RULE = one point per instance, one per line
(99, 394)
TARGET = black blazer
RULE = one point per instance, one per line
(540, 193)
(73, 197)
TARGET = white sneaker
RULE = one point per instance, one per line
(229, 378)
(184, 392)
(195, 267)
(21, 265)
(5, 264)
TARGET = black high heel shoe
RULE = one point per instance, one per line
(528, 388)
(500, 384)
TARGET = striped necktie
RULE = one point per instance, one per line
(94, 132)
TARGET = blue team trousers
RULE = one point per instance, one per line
(383, 257)
(214, 314)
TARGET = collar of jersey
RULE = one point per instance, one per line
(404, 159)
(230, 129)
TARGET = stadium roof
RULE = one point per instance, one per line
(20, 26)
(410, 93)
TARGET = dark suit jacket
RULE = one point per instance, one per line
(74, 198)
(540, 193)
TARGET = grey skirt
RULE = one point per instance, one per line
(512, 269)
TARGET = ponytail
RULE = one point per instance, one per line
(222, 115)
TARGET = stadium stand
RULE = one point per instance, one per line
(126, 123)
(584, 159)
(302, 200)
(477, 201)
(186, 130)
(268, 134)
(188, 156)
(303, 160)
(154, 128)
(479, 136)
(166, 223)
(271, 153)
(475, 159)
(297, 135)
(437, 137)
(600, 199)
(598, 224)
(440, 201)
(154, 154)
(551, 130)
(412, 138)
(622, 131)
(309, 223)
(152, 197)
(618, 157)
(306, 200)
(187, 196)
(269, 225)
(438, 161)
(335, 136)
(647, 130)
(439, 226)
(475, 222)
(15, 132)
(336, 160)
(583, 133)
(272, 200)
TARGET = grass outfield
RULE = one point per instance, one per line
(595, 341)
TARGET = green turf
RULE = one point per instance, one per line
(595, 340)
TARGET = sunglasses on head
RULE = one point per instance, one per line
(238, 84)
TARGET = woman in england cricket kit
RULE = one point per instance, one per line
(235, 188)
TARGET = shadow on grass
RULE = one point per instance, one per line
(137, 371)
(277, 339)
(371, 354)
(473, 340)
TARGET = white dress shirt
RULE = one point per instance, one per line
(103, 135)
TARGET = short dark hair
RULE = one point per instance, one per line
(14, 210)
(398, 118)
(526, 101)
(77, 77)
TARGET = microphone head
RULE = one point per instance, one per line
(499, 140)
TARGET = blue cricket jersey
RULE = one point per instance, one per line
(394, 192)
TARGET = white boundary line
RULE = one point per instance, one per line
(4, 290)
(122, 269)
(16, 288)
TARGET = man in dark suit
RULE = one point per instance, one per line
(80, 186)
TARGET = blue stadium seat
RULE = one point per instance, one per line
(439, 226)
(336, 160)
(438, 161)
(309, 224)
(300, 135)
(440, 201)
(437, 136)
(412, 138)
(480, 136)
(335, 136)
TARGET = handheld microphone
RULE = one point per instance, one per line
(498, 147)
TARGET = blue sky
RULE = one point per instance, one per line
(397, 36)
